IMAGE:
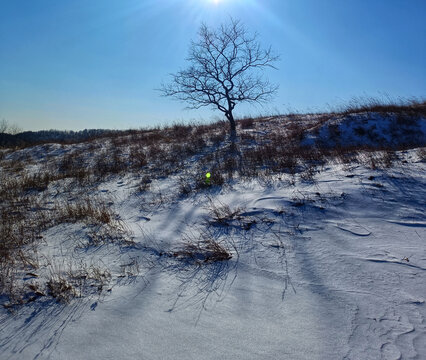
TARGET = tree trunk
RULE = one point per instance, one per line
(233, 128)
(234, 151)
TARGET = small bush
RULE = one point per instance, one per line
(108, 163)
(247, 123)
(35, 182)
(222, 214)
(203, 251)
(296, 132)
(185, 187)
(144, 184)
(180, 132)
(421, 153)
(59, 288)
(218, 137)
(137, 157)
(87, 210)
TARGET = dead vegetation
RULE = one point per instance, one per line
(222, 214)
(25, 213)
(60, 289)
(202, 251)
(405, 108)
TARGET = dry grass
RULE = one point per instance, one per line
(25, 213)
(421, 153)
(202, 251)
(403, 107)
(94, 212)
(222, 214)
(247, 123)
(60, 289)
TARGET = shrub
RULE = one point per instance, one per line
(203, 251)
(137, 157)
(95, 212)
(247, 123)
(59, 288)
(35, 182)
(222, 214)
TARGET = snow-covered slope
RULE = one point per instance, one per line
(369, 129)
(333, 267)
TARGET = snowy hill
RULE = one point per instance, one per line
(310, 244)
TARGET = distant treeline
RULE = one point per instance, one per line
(45, 136)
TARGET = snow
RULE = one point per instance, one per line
(370, 129)
(328, 269)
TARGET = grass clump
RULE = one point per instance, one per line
(203, 251)
(60, 289)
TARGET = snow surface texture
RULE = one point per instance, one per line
(334, 269)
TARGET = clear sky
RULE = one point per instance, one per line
(75, 64)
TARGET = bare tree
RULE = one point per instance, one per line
(7, 128)
(4, 125)
(225, 69)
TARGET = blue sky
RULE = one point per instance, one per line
(75, 64)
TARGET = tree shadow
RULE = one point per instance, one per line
(39, 326)
(202, 285)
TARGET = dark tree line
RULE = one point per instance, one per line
(44, 136)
